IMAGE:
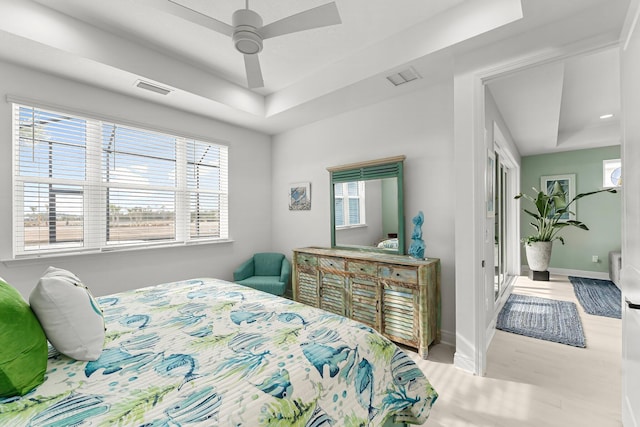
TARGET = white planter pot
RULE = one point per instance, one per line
(538, 255)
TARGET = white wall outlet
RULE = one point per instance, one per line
(594, 258)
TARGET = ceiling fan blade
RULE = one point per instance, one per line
(191, 15)
(254, 74)
(317, 17)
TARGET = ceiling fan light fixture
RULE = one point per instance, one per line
(247, 42)
(246, 38)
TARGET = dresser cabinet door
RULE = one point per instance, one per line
(400, 303)
(400, 313)
(332, 285)
(364, 293)
(332, 293)
(365, 301)
(307, 279)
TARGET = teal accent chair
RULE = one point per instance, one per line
(265, 271)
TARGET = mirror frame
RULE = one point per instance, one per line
(390, 167)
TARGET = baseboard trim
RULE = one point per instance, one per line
(448, 338)
(628, 417)
(569, 272)
(464, 363)
(491, 331)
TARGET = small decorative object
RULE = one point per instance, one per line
(300, 196)
(416, 249)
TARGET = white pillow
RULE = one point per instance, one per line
(70, 317)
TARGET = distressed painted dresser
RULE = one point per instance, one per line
(397, 295)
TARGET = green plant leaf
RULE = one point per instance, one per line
(551, 208)
(578, 224)
(536, 216)
(542, 204)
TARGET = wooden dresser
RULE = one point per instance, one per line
(397, 295)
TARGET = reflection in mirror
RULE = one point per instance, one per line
(367, 205)
(366, 213)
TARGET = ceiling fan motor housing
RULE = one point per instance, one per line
(245, 34)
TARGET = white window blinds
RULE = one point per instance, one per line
(87, 184)
(349, 203)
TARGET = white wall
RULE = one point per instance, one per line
(249, 187)
(418, 125)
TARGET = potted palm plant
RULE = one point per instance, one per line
(549, 219)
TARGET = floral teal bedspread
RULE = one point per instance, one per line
(207, 352)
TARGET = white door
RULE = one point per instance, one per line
(630, 277)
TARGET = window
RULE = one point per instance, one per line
(349, 199)
(611, 173)
(87, 184)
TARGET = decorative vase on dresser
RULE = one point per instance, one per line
(397, 295)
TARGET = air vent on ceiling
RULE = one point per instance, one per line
(152, 87)
(404, 76)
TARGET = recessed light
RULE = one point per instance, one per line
(606, 116)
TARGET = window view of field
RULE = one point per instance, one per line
(124, 226)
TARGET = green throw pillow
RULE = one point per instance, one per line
(23, 345)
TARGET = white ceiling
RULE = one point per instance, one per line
(321, 72)
(557, 106)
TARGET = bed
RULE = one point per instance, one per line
(391, 243)
(208, 352)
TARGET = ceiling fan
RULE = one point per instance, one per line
(248, 32)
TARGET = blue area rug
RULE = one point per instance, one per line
(598, 297)
(542, 318)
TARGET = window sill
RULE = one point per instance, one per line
(27, 259)
(349, 227)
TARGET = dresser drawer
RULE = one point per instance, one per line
(362, 268)
(306, 260)
(399, 274)
(331, 263)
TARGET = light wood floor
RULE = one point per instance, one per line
(531, 382)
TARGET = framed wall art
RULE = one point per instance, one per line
(300, 196)
(568, 184)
